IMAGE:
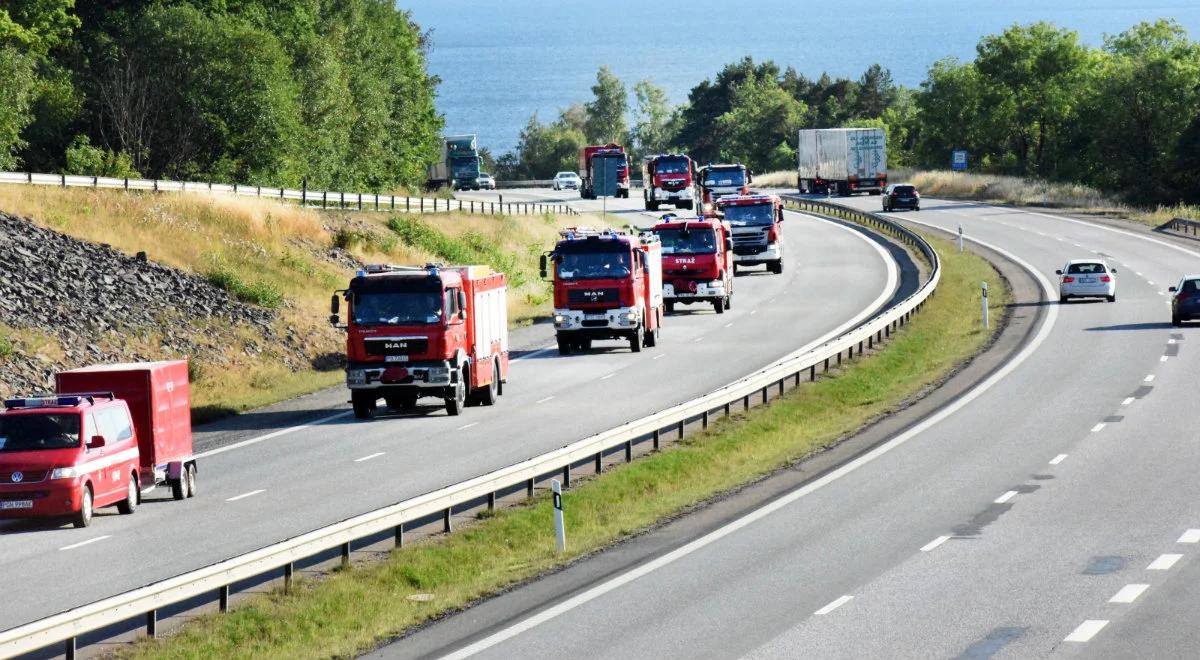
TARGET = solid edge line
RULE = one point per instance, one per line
(833, 606)
(245, 495)
(974, 393)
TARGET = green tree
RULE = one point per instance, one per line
(875, 93)
(37, 26)
(544, 149)
(760, 128)
(606, 112)
(16, 94)
(949, 109)
(652, 120)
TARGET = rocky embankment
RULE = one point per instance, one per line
(83, 303)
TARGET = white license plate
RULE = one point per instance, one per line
(1087, 280)
(395, 358)
(17, 504)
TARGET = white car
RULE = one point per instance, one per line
(565, 180)
(486, 181)
(1087, 278)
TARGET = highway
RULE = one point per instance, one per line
(269, 475)
(1050, 510)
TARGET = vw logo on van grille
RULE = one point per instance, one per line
(18, 477)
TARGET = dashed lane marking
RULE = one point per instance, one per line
(1086, 630)
(87, 542)
(466, 426)
(1190, 536)
(1058, 459)
(834, 605)
(1128, 593)
(1164, 562)
(1005, 497)
(1128, 401)
(545, 399)
(369, 457)
(607, 376)
(245, 495)
(934, 543)
(1097, 428)
(659, 357)
(1148, 379)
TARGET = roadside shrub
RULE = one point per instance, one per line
(259, 292)
(6, 347)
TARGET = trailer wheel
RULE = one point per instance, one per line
(190, 475)
(364, 404)
(84, 517)
(179, 487)
(492, 392)
(456, 403)
(132, 492)
(635, 340)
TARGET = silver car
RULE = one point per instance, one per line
(1087, 278)
(565, 180)
(486, 181)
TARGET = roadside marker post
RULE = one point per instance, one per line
(960, 238)
(985, 306)
(559, 529)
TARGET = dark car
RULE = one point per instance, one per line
(901, 196)
(1185, 304)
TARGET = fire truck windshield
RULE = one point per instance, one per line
(694, 241)
(34, 432)
(671, 166)
(593, 265)
(756, 214)
(397, 308)
(724, 178)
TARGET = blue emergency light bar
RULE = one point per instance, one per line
(56, 400)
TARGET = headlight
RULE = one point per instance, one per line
(356, 377)
(64, 473)
(559, 318)
(439, 373)
(632, 316)
(715, 283)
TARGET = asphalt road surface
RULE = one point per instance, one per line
(1051, 511)
(270, 475)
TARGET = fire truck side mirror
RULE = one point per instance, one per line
(544, 265)
(728, 244)
(96, 442)
(334, 305)
(749, 176)
(462, 303)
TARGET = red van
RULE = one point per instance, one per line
(124, 430)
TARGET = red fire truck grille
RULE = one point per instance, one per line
(27, 476)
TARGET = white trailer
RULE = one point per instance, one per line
(842, 161)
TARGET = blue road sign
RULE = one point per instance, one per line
(958, 160)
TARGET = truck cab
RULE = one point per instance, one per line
(668, 179)
(431, 331)
(717, 181)
(697, 261)
(756, 222)
(606, 286)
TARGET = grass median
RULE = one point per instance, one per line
(351, 611)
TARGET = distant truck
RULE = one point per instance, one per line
(757, 229)
(607, 285)
(697, 261)
(457, 166)
(720, 180)
(110, 434)
(604, 170)
(842, 161)
(668, 179)
(431, 331)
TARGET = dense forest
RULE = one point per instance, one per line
(1035, 101)
(253, 91)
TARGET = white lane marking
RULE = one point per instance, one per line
(1161, 293)
(753, 312)
(245, 495)
(1005, 497)
(1170, 341)
(1097, 428)
(87, 542)
(464, 427)
(659, 357)
(369, 457)
(607, 376)
(545, 399)
(1148, 379)
(1164, 562)
(1086, 630)
(271, 435)
(934, 543)
(1190, 536)
(728, 325)
(1128, 593)
(698, 339)
(1058, 459)
(1139, 274)
(1151, 283)
(1128, 401)
(625, 578)
(1077, 245)
(834, 605)
(534, 354)
(1162, 359)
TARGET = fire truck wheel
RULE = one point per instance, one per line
(456, 403)
(129, 504)
(564, 346)
(84, 517)
(651, 339)
(776, 266)
(190, 476)
(729, 301)
(581, 345)
(492, 392)
(670, 305)
(651, 206)
(719, 305)
(364, 404)
(635, 341)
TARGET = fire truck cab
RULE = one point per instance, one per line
(757, 229)
(697, 261)
(432, 331)
(668, 179)
(717, 181)
(607, 285)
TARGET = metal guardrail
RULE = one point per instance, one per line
(325, 199)
(1183, 226)
(216, 579)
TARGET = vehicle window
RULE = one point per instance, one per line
(1190, 286)
(905, 190)
(582, 266)
(452, 307)
(34, 432)
(1086, 269)
(672, 166)
(753, 214)
(116, 425)
(724, 178)
(397, 308)
(677, 241)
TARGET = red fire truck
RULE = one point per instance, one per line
(757, 229)
(604, 170)
(113, 433)
(697, 261)
(668, 179)
(720, 180)
(432, 331)
(607, 285)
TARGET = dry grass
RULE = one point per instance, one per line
(281, 255)
(779, 179)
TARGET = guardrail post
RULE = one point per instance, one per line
(393, 198)
(346, 555)
(704, 420)
(126, 183)
(797, 376)
(812, 374)
(529, 488)
(152, 624)
(69, 648)
(491, 501)
(343, 199)
(727, 409)
(839, 358)
(781, 385)
(764, 395)
(446, 526)
(629, 451)
(826, 365)
(288, 571)
(398, 533)
(376, 201)
(359, 201)
(95, 182)
(223, 599)
(64, 180)
(746, 403)
(566, 476)
(599, 462)
(407, 203)
(681, 429)
(655, 439)
(460, 205)
(155, 185)
(29, 178)
(324, 199)
(422, 204)
(472, 206)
